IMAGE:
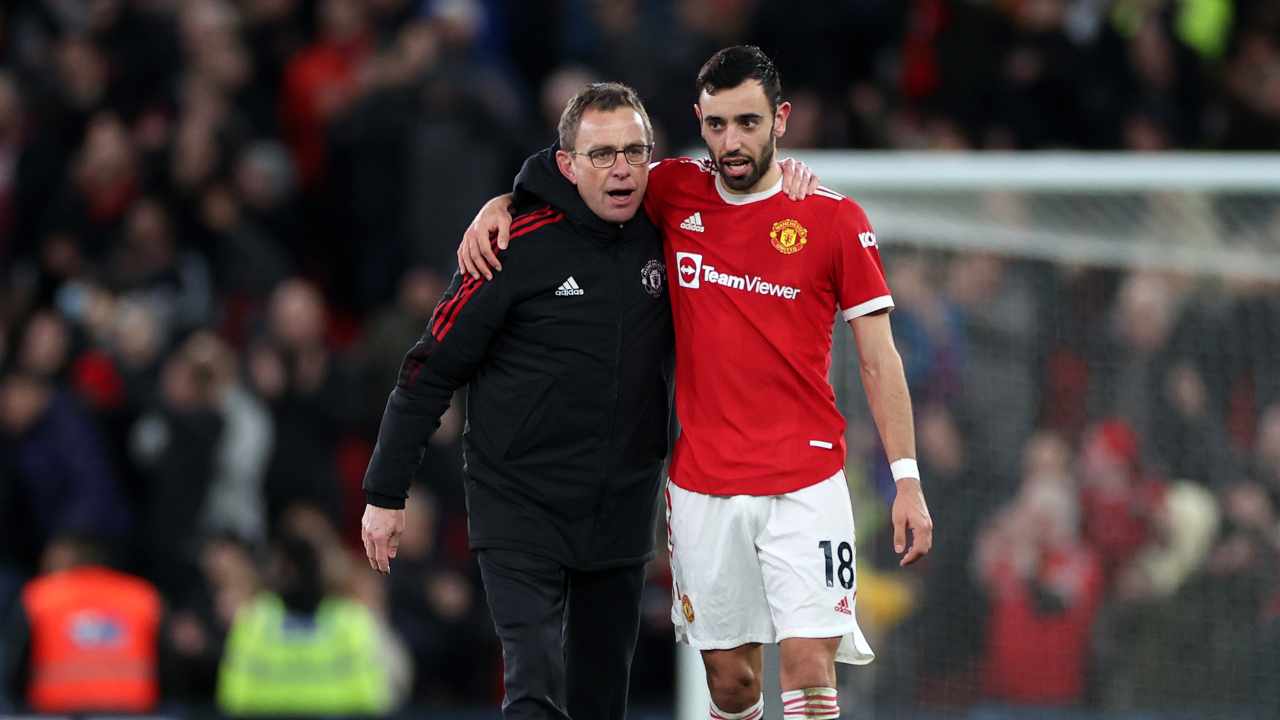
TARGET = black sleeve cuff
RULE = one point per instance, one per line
(390, 502)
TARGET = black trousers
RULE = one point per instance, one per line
(568, 636)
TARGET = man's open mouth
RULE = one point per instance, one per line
(736, 166)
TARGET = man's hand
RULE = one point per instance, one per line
(798, 180)
(380, 529)
(476, 256)
(911, 512)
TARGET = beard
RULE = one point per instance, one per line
(758, 167)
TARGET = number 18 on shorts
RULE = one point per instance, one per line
(760, 569)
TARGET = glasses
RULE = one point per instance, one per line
(606, 157)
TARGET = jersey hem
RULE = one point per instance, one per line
(769, 488)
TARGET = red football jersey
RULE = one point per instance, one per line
(756, 282)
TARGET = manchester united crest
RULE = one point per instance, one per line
(788, 236)
(652, 275)
(687, 607)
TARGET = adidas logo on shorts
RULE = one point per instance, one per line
(843, 606)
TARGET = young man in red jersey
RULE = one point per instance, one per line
(759, 519)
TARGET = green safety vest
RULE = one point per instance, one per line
(328, 667)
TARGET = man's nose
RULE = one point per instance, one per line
(621, 168)
(732, 139)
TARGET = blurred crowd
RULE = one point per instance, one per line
(1102, 451)
(223, 222)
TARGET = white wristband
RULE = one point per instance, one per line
(904, 468)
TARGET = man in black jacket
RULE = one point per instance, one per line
(568, 359)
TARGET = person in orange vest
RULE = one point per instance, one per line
(87, 635)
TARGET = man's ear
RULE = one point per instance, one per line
(780, 119)
(697, 112)
(564, 161)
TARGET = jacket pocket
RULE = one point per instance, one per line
(562, 427)
(501, 417)
(535, 431)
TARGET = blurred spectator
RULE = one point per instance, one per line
(45, 347)
(1156, 609)
(394, 329)
(175, 444)
(60, 491)
(1119, 500)
(204, 449)
(1159, 90)
(101, 188)
(293, 370)
(998, 382)
(560, 87)
(945, 652)
(151, 268)
(1266, 464)
(86, 635)
(235, 499)
(1045, 586)
(299, 651)
(439, 611)
(1183, 528)
(1248, 361)
(1253, 86)
(1132, 361)
(266, 184)
(201, 617)
(321, 82)
(928, 330)
(1241, 590)
(341, 575)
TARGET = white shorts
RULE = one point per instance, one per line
(760, 569)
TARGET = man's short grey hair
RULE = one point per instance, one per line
(602, 96)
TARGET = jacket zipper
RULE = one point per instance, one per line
(616, 254)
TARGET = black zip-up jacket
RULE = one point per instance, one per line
(568, 356)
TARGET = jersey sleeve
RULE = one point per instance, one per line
(665, 178)
(861, 288)
(451, 349)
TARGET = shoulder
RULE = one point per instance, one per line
(346, 612)
(141, 589)
(827, 200)
(265, 607)
(845, 213)
(531, 220)
(680, 169)
(529, 228)
(35, 592)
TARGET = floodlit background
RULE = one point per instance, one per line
(223, 222)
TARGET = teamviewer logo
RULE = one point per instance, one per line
(690, 267)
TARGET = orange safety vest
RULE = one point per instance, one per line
(93, 641)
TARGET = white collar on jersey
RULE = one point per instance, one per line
(734, 199)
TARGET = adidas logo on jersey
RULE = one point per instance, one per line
(569, 287)
(693, 223)
(843, 606)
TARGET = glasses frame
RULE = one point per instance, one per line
(613, 159)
